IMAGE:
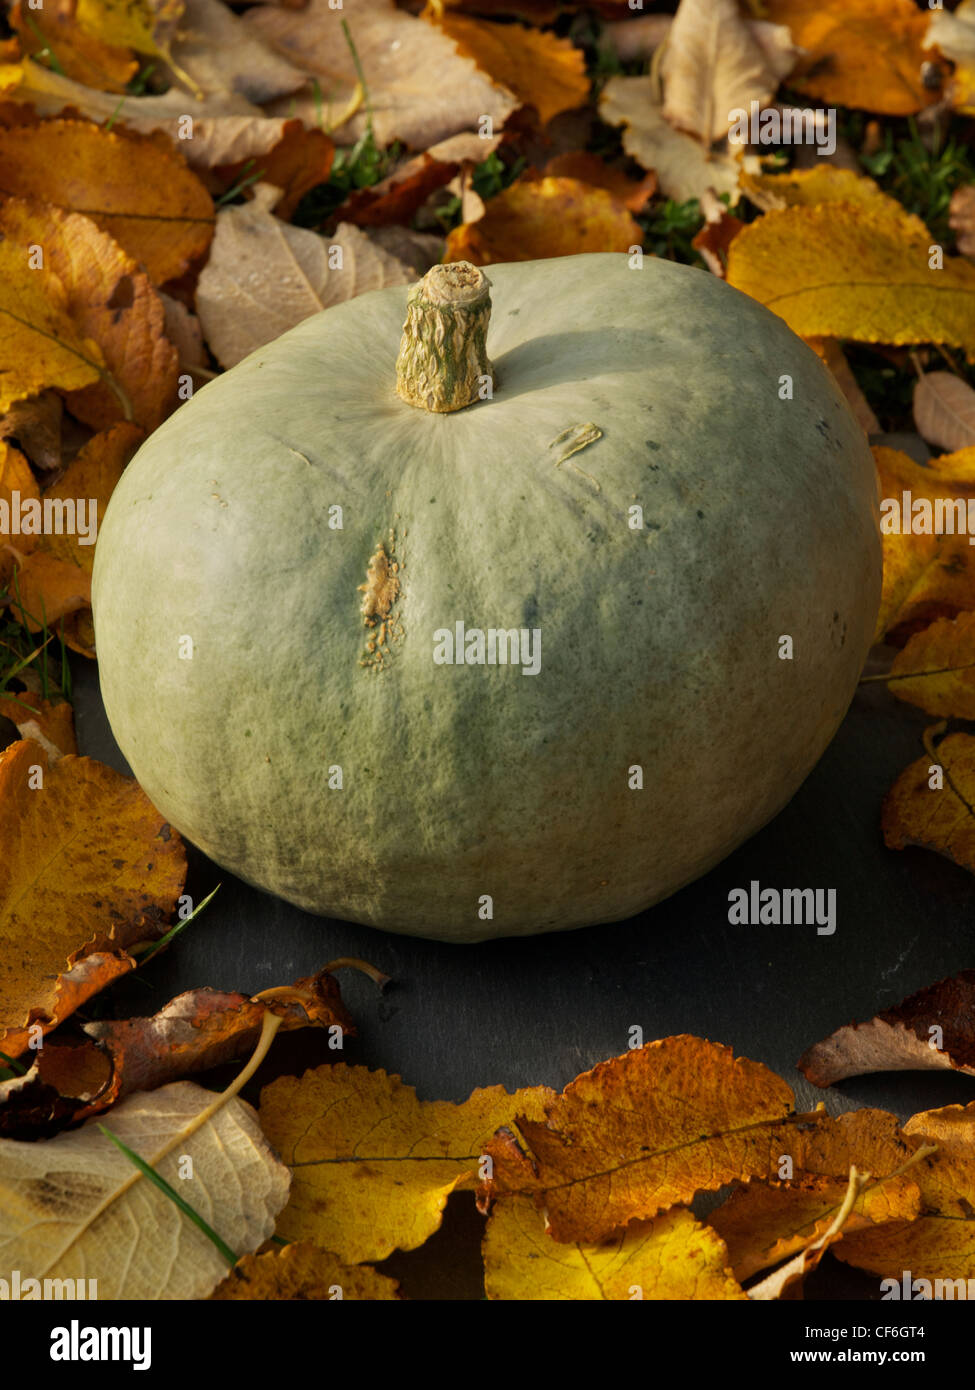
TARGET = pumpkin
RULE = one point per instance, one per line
(484, 633)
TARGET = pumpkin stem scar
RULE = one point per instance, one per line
(443, 363)
(380, 592)
(576, 437)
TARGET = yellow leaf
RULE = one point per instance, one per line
(542, 70)
(823, 183)
(926, 575)
(867, 55)
(640, 1133)
(135, 187)
(126, 23)
(303, 1271)
(860, 271)
(85, 854)
(113, 304)
(85, 488)
(17, 488)
(936, 670)
(935, 817)
(671, 1257)
(40, 345)
(373, 1166)
(79, 55)
(940, 1244)
(536, 218)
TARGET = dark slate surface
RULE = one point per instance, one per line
(529, 1011)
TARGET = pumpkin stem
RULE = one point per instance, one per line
(443, 363)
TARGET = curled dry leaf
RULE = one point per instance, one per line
(940, 1243)
(536, 218)
(933, 1029)
(936, 668)
(719, 231)
(421, 89)
(640, 1133)
(372, 1165)
(926, 575)
(303, 1271)
(50, 723)
(712, 66)
(857, 271)
(944, 410)
(86, 854)
(137, 188)
(200, 1029)
(264, 276)
(786, 1282)
(763, 1223)
(930, 804)
(868, 55)
(541, 70)
(296, 160)
(684, 168)
(671, 1257)
(70, 1207)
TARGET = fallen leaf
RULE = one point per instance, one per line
(684, 168)
(53, 594)
(397, 197)
(671, 1257)
(542, 70)
(135, 187)
(858, 271)
(823, 183)
(936, 668)
(589, 168)
(129, 23)
(868, 55)
(953, 35)
(71, 1211)
(634, 40)
(711, 67)
(957, 467)
(933, 1029)
(372, 1165)
(940, 1243)
(34, 427)
(719, 231)
(89, 482)
(936, 817)
(297, 160)
(18, 491)
(222, 54)
(961, 218)
(264, 276)
(536, 218)
(40, 345)
(944, 410)
(184, 332)
(639, 1133)
(80, 56)
(398, 52)
(197, 1030)
(303, 1271)
(113, 304)
(925, 575)
(786, 1282)
(86, 854)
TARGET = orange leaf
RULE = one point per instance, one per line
(89, 868)
(79, 55)
(136, 187)
(50, 724)
(930, 804)
(536, 218)
(589, 168)
(86, 487)
(543, 71)
(297, 161)
(868, 55)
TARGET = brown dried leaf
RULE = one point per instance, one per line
(933, 1029)
(934, 811)
(34, 427)
(641, 1132)
(835, 358)
(398, 53)
(936, 668)
(86, 854)
(303, 1271)
(222, 54)
(961, 218)
(264, 276)
(589, 168)
(944, 410)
